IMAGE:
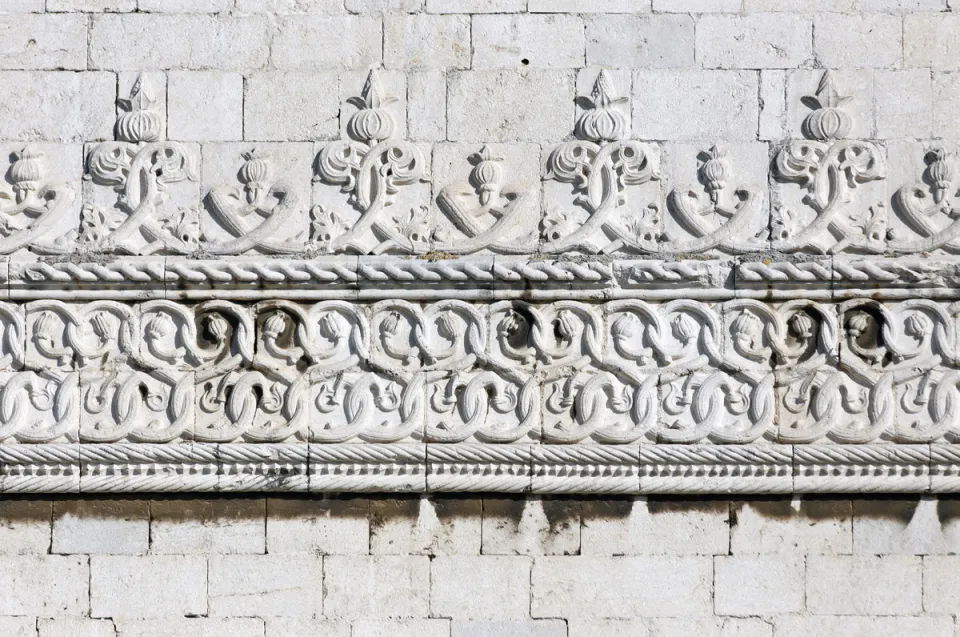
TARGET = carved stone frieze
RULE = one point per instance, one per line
(597, 314)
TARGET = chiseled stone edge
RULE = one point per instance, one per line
(418, 468)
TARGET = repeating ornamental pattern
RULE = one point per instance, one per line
(345, 320)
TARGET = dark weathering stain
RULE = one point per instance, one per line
(608, 508)
(561, 514)
(948, 509)
(815, 509)
(685, 505)
(886, 508)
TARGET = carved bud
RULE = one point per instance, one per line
(446, 326)
(372, 123)
(159, 327)
(940, 173)
(859, 324)
(255, 174)
(44, 327)
(801, 326)
(218, 327)
(626, 327)
(487, 174)
(390, 323)
(713, 172)
(510, 324)
(274, 326)
(140, 122)
(603, 121)
(683, 328)
(828, 122)
(330, 328)
(746, 328)
(564, 326)
(27, 172)
(916, 326)
(101, 326)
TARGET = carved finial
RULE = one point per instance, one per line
(487, 174)
(27, 172)
(827, 121)
(603, 121)
(255, 174)
(939, 172)
(713, 172)
(140, 122)
(372, 122)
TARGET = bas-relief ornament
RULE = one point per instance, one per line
(141, 167)
(832, 216)
(504, 371)
(486, 212)
(370, 168)
(601, 165)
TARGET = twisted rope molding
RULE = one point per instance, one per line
(415, 468)
(473, 278)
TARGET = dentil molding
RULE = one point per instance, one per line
(797, 337)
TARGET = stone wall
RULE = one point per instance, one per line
(472, 567)
(504, 250)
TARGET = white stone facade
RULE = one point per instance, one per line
(597, 247)
(497, 566)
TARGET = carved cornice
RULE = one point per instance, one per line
(594, 331)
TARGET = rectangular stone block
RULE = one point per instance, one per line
(941, 581)
(655, 526)
(427, 106)
(707, 627)
(757, 41)
(419, 42)
(402, 628)
(71, 627)
(517, 41)
(659, 41)
(204, 106)
(34, 41)
(266, 586)
(863, 585)
(904, 104)
(531, 526)
(695, 105)
(157, 41)
(758, 585)
(26, 626)
(697, 6)
(475, 6)
(146, 587)
(45, 585)
(421, 526)
(188, 6)
(499, 587)
(57, 106)
(588, 6)
(109, 527)
(804, 626)
(528, 628)
(208, 526)
(659, 586)
(359, 43)
(327, 527)
(858, 41)
(910, 526)
(287, 627)
(931, 40)
(782, 526)
(382, 587)
(25, 526)
(194, 627)
(503, 106)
